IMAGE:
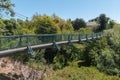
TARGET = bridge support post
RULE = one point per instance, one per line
(56, 46)
(100, 35)
(69, 39)
(0, 43)
(80, 40)
(86, 37)
(54, 43)
(30, 51)
(96, 36)
(20, 41)
(9, 40)
(93, 36)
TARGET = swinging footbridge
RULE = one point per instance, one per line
(19, 43)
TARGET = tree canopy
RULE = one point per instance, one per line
(6, 7)
(102, 19)
(78, 23)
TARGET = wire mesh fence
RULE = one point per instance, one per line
(11, 42)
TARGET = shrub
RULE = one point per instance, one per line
(83, 73)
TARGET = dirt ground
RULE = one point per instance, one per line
(15, 70)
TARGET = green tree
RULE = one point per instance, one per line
(103, 20)
(78, 23)
(6, 6)
(2, 27)
(85, 31)
(63, 26)
(99, 56)
(111, 24)
(44, 24)
(11, 26)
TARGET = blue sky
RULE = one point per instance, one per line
(86, 9)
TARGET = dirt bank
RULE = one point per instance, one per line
(15, 70)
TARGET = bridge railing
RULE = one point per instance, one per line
(17, 41)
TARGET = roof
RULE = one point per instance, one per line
(92, 23)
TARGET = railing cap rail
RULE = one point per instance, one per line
(33, 35)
